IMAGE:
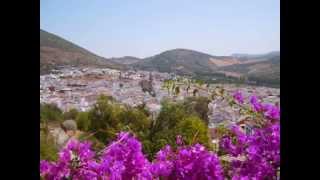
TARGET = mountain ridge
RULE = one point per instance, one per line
(56, 51)
(183, 61)
(125, 59)
(264, 68)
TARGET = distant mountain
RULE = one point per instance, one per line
(256, 57)
(183, 61)
(267, 70)
(263, 68)
(186, 61)
(56, 51)
(126, 60)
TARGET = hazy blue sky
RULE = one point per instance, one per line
(141, 28)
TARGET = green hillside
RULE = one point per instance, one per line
(180, 61)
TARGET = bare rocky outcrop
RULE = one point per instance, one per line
(60, 137)
(69, 125)
(63, 134)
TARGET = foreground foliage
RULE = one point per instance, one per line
(108, 117)
(123, 159)
(48, 150)
(50, 112)
(251, 156)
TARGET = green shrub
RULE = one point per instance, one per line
(174, 120)
(168, 117)
(103, 119)
(221, 131)
(71, 114)
(193, 130)
(197, 106)
(50, 112)
(107, 118)
(134, 120)
(83, 121)
(96, 144)
(142, 107)
(48, 150)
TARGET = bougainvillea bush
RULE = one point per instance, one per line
(253, 156)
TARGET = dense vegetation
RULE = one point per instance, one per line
(48, 151)
(107, 118)
(175, 119)
(268, 79)
(178, 138)
(50, 112)
(218, 78)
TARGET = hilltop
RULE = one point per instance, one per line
(56, 51)
(265, 68)
(126, 60)
(262, 68)
(180, 61)
(256, 57)
(266, 71)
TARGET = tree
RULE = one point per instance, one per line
(146, 86)
(188, 84)
(173, 86)
(83, 121)
(197, 106)
(97, 145)
(169, 116)
(188, 87)
(48, 150)
(177, 90)
(103, 119)
(50, 112)
(168, 85)
(174, 120)
(195, 92)
(142, 107)
(71, 114)
(134, 121)
(193, 130)
(108, 118)
(222, 131)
